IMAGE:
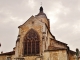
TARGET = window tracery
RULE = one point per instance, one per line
(31, 43)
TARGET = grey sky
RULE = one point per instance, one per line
(64, 17)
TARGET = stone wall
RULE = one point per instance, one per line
(72, 56)
(32, 58)
(55, 55)
(2, 57)
(32, 23)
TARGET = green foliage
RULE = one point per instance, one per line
(77, 52)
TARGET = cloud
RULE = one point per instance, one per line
(64, 17)
(67, 26)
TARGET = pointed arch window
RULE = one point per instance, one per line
(31, 43)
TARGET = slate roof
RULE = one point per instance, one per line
(8, 53)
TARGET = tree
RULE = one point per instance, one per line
(77, 53)
(0, 44)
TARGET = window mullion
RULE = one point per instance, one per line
(31, 46)
(35, 46)
(27, 48)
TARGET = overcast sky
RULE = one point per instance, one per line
(64, 17)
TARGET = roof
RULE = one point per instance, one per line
(41, 12)
(55, 39)
(61, 42)
(8, 53)
(72, 52)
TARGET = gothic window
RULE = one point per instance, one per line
(31, 43)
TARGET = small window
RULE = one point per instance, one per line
(19, 59)
(8, 58)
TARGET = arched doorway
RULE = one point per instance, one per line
(31, 43)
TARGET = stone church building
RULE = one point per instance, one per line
(36, 42)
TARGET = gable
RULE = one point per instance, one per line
(32, 17)
(31, 21)
(57, 44)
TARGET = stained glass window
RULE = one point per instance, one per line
(31, 43)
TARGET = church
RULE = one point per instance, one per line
(36, 42)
